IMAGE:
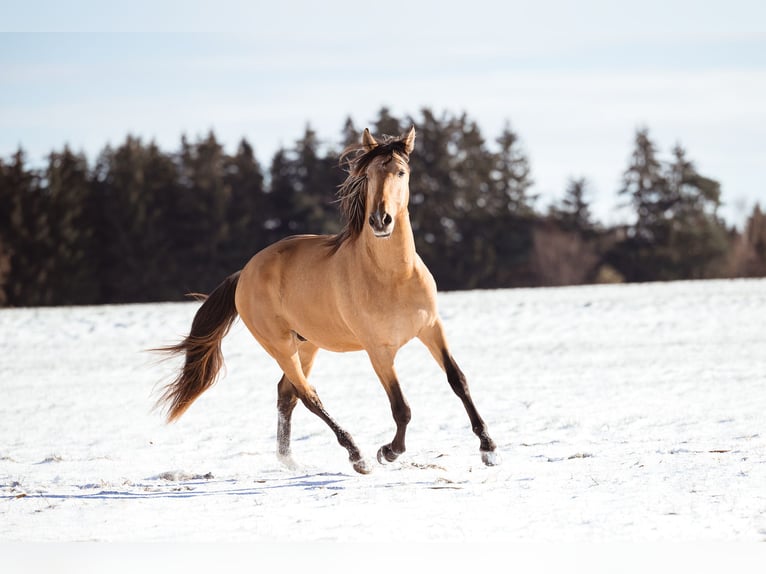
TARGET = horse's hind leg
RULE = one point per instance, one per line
(287, 398)
(290, 362)
(383, 363)
(433, 338)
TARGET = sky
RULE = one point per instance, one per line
(575, 80)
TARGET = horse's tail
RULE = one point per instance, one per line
(202, 348)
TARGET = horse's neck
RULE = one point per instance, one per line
(394, 255)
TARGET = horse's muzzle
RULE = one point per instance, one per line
(382, 223)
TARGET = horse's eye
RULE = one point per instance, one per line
(402, 173)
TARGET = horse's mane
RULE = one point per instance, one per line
(352, 193)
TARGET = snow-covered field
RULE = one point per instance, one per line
(622, 413)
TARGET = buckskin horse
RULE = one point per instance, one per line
(363, 289)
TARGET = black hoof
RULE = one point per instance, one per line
(386, 454)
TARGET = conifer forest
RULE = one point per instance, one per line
(139, 223)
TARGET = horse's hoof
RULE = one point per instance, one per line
(490, 457)
(386, 454)
(362, 467)
(288, 462)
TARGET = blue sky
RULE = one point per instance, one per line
(574, 79)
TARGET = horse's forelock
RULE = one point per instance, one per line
(358, 157)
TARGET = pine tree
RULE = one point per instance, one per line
(302, 191)
(387, 125)
(5, 270)
(23, 226)
(511, 174)
(573, 212)
(246, 210)
(200, 229)
(510, 230)
(750, 249)
(677, 233)
(698, 238)
(162, 194)
(432, 189)
(318, 178)
(645, 185)
(350, 135)
(44, 233)
(134, 217)
(7, 200)
(70, 273)
(475, 207)
(279, 199)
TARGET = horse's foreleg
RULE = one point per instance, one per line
(383, 363)
(459, 385)
(291, 365)
(433, 338)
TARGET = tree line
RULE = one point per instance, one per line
(142, 224)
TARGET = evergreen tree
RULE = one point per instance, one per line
(280, 222)
(698, 238)
(5, 270)
(434, 213)
(246, 210)
(474, 204)
(318, 179)
(133, 215)
(302, 190)
(645, 185)
(70, 273)
(23, 227)
(511, 174)
(199, 225)
(511, 225)
(573, 212)
(163, 192)
(44, 233)
(8, 193)
(677, 233)
(349, 134)
(387, 125)
(750, 248)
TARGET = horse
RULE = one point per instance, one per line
(364, 288)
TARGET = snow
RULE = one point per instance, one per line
(622, 414)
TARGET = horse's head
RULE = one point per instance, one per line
(388, 176)
(376, 191)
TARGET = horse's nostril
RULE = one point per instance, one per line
(377, 220)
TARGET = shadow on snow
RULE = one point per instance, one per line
(190, 489)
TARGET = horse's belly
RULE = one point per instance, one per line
(356, 333)
(330, 337)
(338, 347)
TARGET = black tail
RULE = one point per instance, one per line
(202, 348)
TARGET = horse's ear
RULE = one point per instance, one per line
(409, 141)
(368, 141)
